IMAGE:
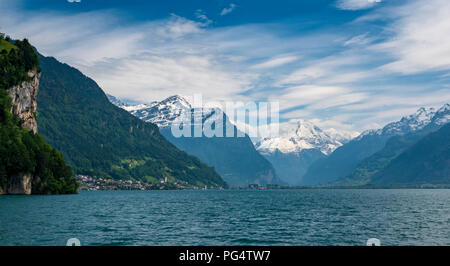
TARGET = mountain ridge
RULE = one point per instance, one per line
(99, 139)
(347, 157)
(305, 135)
(425, 162)
(298, 146)
(235, 158)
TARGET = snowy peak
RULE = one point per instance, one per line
(175, 102)
(299, 136)
(341, 136)
(410, 123)
(115, 101)
(444, 108)
(165, 112)
(414, 122)
(129, 107)
(442, 116)
(307, 129)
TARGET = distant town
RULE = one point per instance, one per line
(91, 184)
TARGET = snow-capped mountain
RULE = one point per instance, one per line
(341, 135)
(303, 135)
(299, 145)
(115, 101)
(441, 116)
(345, 159)
(235, 159)
(414, 122)
(165, 112)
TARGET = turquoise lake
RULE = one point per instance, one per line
(229, 217)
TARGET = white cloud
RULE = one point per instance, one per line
(145, 62)
(74, 1)
(331, 69)
(305, 95)
(385, 102)
(275, 62)
(177, 27)
(420, 39)
(228, 10)
(356, 4)
(149, 77)
(200, 14)
(152, 60)
(361, 39)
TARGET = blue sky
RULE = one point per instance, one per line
(347, 64)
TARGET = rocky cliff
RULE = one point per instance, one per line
(19, 184)
(28, 165)
(23, 107)
(24, 101)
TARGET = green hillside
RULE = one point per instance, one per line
(21, 151)
(100, 139)
(426, 162)
(369, 167)
(5, 45)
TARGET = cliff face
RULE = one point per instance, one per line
(24, 104)
(24, 101)
(28, 164)
(19, 184)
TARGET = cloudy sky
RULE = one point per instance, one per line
(347, 64)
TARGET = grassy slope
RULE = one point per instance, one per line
(4, 45)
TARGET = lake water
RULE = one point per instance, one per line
(230, 217)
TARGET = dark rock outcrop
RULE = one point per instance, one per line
(24, 101)
(19, 184)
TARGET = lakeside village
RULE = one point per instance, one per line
(92, 184)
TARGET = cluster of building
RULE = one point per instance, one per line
(90, 183)
(258, 187)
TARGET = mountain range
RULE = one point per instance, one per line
(303, 153)
(102, 136)
(99, 139)
(234, 158)
(357, 161)
(425, 162)
(299, 145)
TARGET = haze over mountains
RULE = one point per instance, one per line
(234, 158)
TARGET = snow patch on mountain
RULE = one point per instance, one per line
(165, 112)
(293, 137)
(414, 122)
(303, 135)
(341, 135)
(442, 115)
